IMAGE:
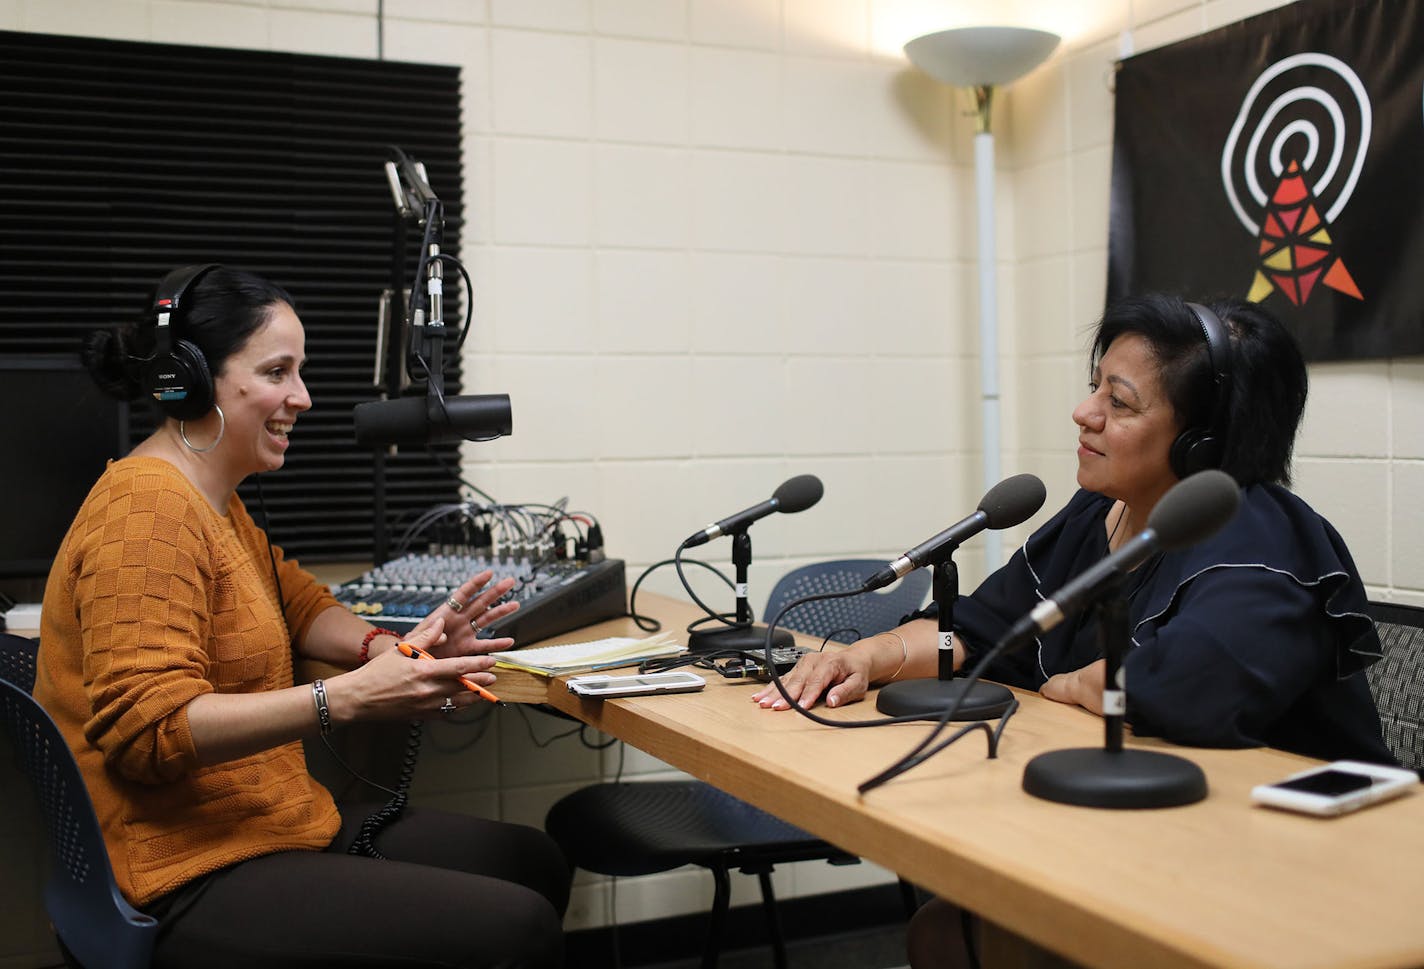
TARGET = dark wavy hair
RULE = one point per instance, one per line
(221, 312)
(1268, 376)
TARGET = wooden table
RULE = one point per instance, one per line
(1218, 883)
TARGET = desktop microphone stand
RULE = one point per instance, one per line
(928, 699)
(743, 634)
(1114, 776)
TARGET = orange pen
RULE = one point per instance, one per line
(415, 652)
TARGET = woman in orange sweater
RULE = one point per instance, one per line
(169, 630)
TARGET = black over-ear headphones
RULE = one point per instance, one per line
(1199, 448)
(177, 375)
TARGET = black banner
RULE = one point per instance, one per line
(1281, 159)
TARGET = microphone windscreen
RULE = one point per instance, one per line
(798, 493)
(1194, 509)
(1013, 501)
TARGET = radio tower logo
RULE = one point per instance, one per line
(1289, 167)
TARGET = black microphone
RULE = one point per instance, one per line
(422, 420)
(1193, 510)
(1010, 502)
(795, 494)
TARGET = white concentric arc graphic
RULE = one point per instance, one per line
(1297, 127)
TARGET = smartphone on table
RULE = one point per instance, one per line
(641, 684)
(1338, 788)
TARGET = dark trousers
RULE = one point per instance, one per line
(453, 891)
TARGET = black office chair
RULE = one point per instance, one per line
(645, 827)
(1397, 680)
(95, 925)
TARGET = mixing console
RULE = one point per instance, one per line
(553, 597)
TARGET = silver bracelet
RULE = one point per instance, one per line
(323, 712)
(904, 655)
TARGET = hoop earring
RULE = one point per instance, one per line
(222, 429)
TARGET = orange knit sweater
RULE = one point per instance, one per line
(154, 599)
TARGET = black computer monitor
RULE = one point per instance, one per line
(57, 429)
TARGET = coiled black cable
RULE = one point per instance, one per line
(364, 843)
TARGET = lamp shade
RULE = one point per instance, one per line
(977, 56)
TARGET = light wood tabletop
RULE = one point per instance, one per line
(1217, 883)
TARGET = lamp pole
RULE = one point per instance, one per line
(988, 307)
(982, 58)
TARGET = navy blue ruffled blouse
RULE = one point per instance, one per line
(1255, 637)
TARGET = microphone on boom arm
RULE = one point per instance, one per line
(434, 418)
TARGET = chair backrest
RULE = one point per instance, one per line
(92, 919)
(17, 660)
(1397, 680)
(852, 618)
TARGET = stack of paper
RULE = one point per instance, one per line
(596, 655)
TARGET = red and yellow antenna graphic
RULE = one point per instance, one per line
(1296, 250)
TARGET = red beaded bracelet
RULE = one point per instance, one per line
(365, 653)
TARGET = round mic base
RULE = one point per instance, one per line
(1098, 777)
(928, 699)
(748, 638)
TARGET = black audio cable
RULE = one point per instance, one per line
(364, 842)
(916, 756)
(651, 625)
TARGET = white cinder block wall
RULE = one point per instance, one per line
(720, 242)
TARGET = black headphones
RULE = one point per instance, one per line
(177, 375)
(1196, 448)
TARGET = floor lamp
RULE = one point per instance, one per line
(982, 58)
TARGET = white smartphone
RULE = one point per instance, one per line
(598, 685)
(1345, 785)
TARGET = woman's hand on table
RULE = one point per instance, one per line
(843, 675)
